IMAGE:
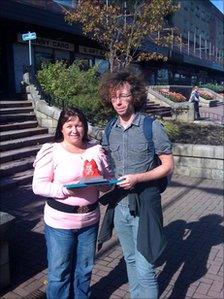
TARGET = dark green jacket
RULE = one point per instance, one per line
(145, 202)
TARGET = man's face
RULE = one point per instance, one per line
(122, 102)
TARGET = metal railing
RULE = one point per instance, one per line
(217, 118)
(195, 48)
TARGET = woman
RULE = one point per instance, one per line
(71, 216)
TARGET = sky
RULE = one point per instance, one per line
(219, 4)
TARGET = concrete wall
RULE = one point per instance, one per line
(47, 116)
(202, 161)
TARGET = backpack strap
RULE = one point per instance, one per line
(147, 128)
(108, 129)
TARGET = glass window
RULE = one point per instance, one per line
(62, 56)
(85, 63)
(102, 65)
(69, 3)
(162, 76)
(41, 58)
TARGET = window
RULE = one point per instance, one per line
(69, 3)
(102, 65)
(162, 76)
(41, 58)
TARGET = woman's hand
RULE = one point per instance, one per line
(105, 188)
(128, 181)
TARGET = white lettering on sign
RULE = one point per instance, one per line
(45, 42)
(91, 51)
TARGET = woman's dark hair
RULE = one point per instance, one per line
(65, 115)
(111, 81)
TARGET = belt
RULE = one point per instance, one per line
(59, 206)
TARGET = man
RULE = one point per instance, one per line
(133, 162)
(194, 98)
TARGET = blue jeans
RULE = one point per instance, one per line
(70, 254)
(141, 275)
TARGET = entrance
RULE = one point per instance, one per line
(3, 73)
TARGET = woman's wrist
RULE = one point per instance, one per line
(65, 191)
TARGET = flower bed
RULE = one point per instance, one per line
(206, 95)
(173, 96)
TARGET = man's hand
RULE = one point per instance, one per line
(128, 181)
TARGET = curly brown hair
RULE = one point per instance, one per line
(111, 81)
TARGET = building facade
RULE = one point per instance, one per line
(198, 55)
(58, 40)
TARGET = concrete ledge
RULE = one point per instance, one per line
(201, 161)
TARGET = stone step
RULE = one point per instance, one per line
(162, 109)
(9, 118)
(18, 126)
(25, 142)
(160, 113)
(14, 134)
(16, 97)
(154, 107)
(150, 104)
(16, 166)
(10, 104)
(21, 153)
(17, 110)
(21, 178)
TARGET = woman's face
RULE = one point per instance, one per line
(73, 131)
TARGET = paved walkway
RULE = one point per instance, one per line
(215, 114)
(191, 266)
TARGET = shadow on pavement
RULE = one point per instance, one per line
(110, 283)
(188, 248)
(27, 251)
(195, 185)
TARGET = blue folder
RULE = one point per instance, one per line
(93, 183)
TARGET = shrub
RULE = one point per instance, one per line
(71, 86)
(172, 129)
(215, 87)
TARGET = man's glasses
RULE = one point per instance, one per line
(122, 97)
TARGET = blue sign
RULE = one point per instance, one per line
(29, 36)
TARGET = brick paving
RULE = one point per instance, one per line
(216, 114)
(191, 266)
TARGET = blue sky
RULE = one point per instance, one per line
(219, 4)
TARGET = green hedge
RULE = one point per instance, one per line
(72, 86)
(215, 87)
